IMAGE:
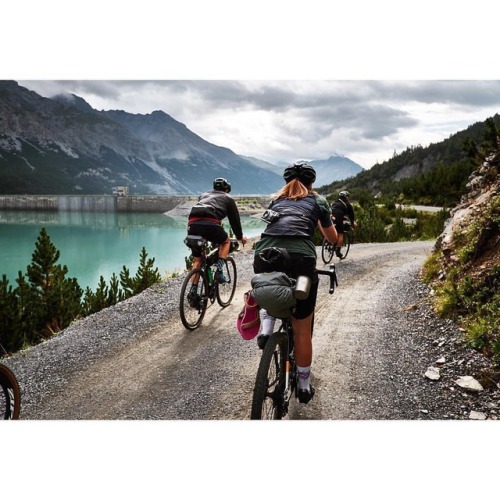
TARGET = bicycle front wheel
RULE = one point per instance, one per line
(327, 250)
(10, 394)
(225, 291)
(268, 394)
(194, 301)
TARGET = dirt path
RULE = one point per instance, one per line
(165, 372)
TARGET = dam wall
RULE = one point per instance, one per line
(107, 203)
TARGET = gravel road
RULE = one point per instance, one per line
(374, 339)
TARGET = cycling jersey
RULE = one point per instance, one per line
(294, 228)
(213, 207)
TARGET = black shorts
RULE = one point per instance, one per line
(211, 231)
(339, 222)
(305, 265)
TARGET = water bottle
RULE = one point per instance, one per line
(302, 287)
(210, 276)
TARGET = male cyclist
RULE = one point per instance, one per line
(342, 211)
(299, 211)
(205, 219)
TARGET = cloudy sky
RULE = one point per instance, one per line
(284, 120)
(274, 80)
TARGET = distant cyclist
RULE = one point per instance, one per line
(343, 211)
(205, 219)
(298, 211)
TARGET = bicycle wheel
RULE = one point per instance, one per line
(268, 393)
(346, 244)
(193, 306)
(327, 250)
(225, 291)
(10, 394)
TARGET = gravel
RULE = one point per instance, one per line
(374, 341)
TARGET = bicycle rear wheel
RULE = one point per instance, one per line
(10, 394)
(225, 291)
(327, 250)
(346, 245)
(268, 394)
(193, 305)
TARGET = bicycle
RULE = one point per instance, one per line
(10, 394)
(328, 249)
(276, 380)
(193, 306)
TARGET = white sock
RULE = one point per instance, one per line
(304, 376)
(266, 323)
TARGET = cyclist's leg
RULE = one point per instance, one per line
(224, 248)
(302, 328)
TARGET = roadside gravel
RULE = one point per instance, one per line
(374, 341)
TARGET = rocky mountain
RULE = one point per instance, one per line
(415, 161)
(63, 146)
(335, 168)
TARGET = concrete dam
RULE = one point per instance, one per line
(114, 203)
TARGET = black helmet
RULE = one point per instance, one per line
(300, 170)
(344, 195)
(221, 184)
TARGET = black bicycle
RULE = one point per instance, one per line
(193, 304)
(276, 381)
(10, 394)
(328, 249)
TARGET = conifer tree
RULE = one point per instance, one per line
(57, 297)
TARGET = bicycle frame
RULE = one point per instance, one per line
(273, 357)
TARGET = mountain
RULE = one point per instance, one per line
(420, 172)
(335, 168)
(62, 145)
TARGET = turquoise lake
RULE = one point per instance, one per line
(99, 244)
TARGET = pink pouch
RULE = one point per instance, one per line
(248, 322)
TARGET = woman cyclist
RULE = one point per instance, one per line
(300, 210)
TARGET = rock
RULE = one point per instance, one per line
(470, 383)
(441, 361)
(432, 373)
(477, 415)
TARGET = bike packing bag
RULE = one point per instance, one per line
(272, 259)
(274, 292)
(193, 241)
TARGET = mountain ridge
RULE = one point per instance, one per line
(61, 145)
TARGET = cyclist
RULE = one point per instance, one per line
(205, 219)
(342, 210)
(300, 210)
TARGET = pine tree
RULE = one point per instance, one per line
(57, 297)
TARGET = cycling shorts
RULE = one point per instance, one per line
(339, 221)
(211, 231)
(305, 265)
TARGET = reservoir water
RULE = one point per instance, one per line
(95, 244)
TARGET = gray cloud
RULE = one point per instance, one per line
(363, 119)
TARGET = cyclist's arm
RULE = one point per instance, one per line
(325, 221)
(233, 216)
(330, 233)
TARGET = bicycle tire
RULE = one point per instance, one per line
(192, 316)
(268, 404)
(224, 292)
(346, 245)
(10, 394)
(327, 250)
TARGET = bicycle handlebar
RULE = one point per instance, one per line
(333, 277)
